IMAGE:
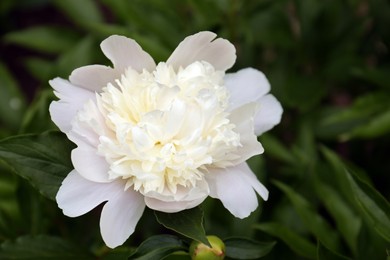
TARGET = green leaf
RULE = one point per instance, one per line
(315, 222)
(41, 69)
(338, 173)
(377, 75)
(81, 12)
(187, 222)
(10, 216)
(359, 192)
(79, 55)
(294, 241)
(158, 247)
(375, 207)
(43, 159)
(378, 125)
(37, 117)
(348, 223)
(324, 253)
(370, 245)
(275, 148)
(41, 247)
(242, 248)
(367, 117)
(47, 39)
(117, 253)
(12, 104)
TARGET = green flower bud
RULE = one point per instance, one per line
(200, 251)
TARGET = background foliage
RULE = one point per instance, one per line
(326, 165)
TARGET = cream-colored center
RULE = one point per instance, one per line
(165, 128)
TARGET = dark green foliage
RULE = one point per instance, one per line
(326, 165)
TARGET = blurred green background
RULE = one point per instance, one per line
(326, 165)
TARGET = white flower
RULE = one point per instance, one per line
(164, 136)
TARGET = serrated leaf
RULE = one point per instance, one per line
(46, 39)
(41, 247)
(324, 253)
(43, 159)
(294, 241)
(315, 222)
(242, 248)
(157, 247)
(187, 222)
(375, 207)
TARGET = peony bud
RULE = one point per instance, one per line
(200, 251)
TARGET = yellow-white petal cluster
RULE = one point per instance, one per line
(165, 128)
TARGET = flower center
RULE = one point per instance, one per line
(165, 128)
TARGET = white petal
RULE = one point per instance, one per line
(245, 86)
(269, 113)
(171, 206)
(231, 187)
(94, 77)
(124, 52)
(119, 217)
(199, 192)
(242, 117)
(89, 164)
(78, 196)
(251, 179)
(72, 99)
(199, 47)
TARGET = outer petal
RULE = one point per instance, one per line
(72, 99)
(119, 217)
(125, 52)
(232, 188)
(269, 113)
(184, 198)
(242, 117)
(78, 196)
(199, 47)
(94, 77)
(245, 86)
(89, 164)
(172, 206)
(251, 179)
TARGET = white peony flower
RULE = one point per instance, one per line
(165, 136)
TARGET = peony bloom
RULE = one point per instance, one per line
(164, 136)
